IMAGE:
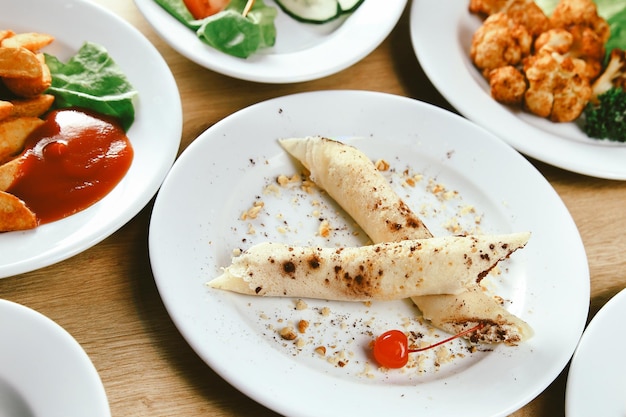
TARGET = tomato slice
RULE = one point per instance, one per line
(204, 8)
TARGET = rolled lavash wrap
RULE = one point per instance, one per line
(384, 271)
(353, 181)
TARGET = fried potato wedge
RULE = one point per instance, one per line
(31, 107)
(14, 215)
(6, 109)
(31, 86)
(32, 41)
(13, 134)
(8, 173)
(19, 63)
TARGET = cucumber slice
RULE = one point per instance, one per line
(311, 11)
(348, 6)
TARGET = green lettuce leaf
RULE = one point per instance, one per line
(229, 31)
(92, 80)
(617, 23)
(606, 8)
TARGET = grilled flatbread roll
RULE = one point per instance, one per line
(385, 271)
(381, 213)
(352, 180)
(455, 313)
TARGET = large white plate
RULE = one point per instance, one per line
(196, 225)
(302, 51)
(155, 135)
(441, 34)
(43, 369)
(595, 382)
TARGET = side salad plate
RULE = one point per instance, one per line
(43, 369)
(441, 34)
(154, 135)
(235, 186)
(302, 52)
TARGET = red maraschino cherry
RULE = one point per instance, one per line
(391, 349)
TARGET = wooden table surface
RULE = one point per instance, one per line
(107, 299)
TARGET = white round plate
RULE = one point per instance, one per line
(461, 174)
(441, 33)
(595, 382)
(155, 134)
(43, 369)
(302, 52)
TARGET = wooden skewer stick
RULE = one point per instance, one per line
(247, 8)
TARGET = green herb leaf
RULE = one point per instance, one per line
(92, 80)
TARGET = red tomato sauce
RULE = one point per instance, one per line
(70, 162)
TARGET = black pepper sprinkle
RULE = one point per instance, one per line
(289, 267)
(314, 263)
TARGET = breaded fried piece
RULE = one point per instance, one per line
(500, 41)
(14, 215)
(524, 12)
(8, 173)
(13, 134)
(6, 109)
(581, 13)
(578, 42)
(32, 107)
(31, 86)
(556, 89)
(32, 41)
(507, 84)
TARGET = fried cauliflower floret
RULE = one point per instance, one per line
(524, 12)
(578, 42)
(499, 42)
(556, 90)
(580, 13)
(507, 84)
(487, 7)
(559, 40)
(614, 75)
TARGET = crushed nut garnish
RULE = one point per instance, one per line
(302, 326)
(301, 304)
(320, 350)
(324, 229)
(288, 333)
(254, 211)
(382, 165)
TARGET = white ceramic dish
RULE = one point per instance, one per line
(595, 382)
(302, 52)
(196, 225)
(43, 369)
(155, 135)
(441, 34)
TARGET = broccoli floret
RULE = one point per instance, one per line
(606, 119)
